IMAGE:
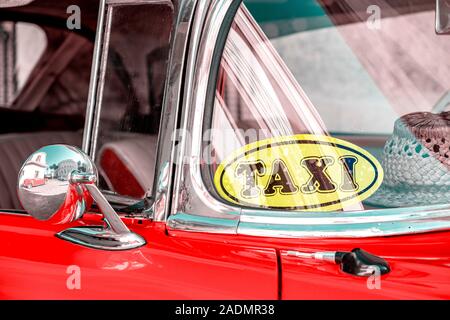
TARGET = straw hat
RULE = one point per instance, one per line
(416, 162)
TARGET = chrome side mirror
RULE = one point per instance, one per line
(47, 188)
(57, 184)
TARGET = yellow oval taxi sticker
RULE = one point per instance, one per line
(302, 172)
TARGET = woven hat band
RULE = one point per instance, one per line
(431, 130)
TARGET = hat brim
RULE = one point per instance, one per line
(388, 197)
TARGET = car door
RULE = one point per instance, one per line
(419, 269)
(36, 264)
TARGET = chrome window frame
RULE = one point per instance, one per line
(195, 209)
(158, 203)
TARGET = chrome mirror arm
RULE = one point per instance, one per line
(116, 236)
(112, 219)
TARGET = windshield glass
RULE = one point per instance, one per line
(349, 98)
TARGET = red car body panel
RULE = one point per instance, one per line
(34, 264)
(185, 265)
(420, 269)
(420, 266)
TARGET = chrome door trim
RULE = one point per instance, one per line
(190, 195)
(195, 209)
(193, 223)
(362, 224)
(173, 97)
(369, 223)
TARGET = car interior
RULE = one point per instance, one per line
(44, 87)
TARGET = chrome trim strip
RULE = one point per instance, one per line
(325, 226)
(167, 151)
(193, 223)
(365, 230)
(357, 224)
(101, 82)
(370, 223)
(88, 125)
(342, 218)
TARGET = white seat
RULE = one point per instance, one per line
(128, 165)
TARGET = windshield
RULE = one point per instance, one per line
(367, 78)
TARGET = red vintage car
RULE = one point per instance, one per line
(30, 183)
(225, 149)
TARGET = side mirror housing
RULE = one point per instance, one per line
(51, 184)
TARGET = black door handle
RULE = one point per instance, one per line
(356, 262)
(361, 263)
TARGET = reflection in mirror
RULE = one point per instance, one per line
(48, 184)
